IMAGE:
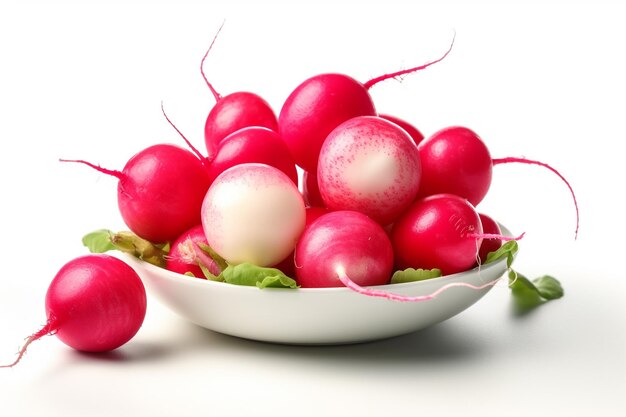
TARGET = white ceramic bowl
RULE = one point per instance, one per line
(312, 315)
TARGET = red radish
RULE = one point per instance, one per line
(456, 160)
(311, 190)
(343, 240)
(315, 108)
(160, 191)
(253, 144)
(186, 254)
(490, 227)
(253, 213)
(415, 134)
(371, 165)
(320, 104)
(233, 112)
(437, 232)
(95, 303)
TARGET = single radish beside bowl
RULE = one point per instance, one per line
(253, 213)
(95, 303)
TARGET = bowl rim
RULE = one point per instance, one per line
(181, 278)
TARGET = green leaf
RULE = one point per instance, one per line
(411, 275)
(508, 251)
(548, 287)
(262, 277)
(529, 294)
(99, 241)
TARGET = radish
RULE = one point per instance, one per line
(95, 303)
(371, 165)
(456, 160)
(437, 232)
(346, 241)
(160, 191)
(253, 213)
(186, 254)
(490, 227)
(320, 104)
(311, 190)
(233, 111)
(253, 144)
(415, 134)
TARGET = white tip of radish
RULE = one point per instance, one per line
(253, 213)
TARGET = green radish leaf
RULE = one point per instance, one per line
(548, 287)
(529, 294)
(252, 275)
(99, 241)
(411, 275)
(508, 250)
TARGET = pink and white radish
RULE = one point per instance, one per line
(320, 104)
(160, 191)
(371, 165)
(233, 112)
(186, 254)
(95, 303)
(456, 160)
(253, 213)
(343, 242)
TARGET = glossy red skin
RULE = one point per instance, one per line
(490, 226)
(315, 108)
(236, 111)
(97, 302)
(432, 234)
(415, 134)
(175, 260)
(160, 192)
(343, 238)
(455, 160)
(253, 144)
(287, 265)
(311, 190)
(367, 136)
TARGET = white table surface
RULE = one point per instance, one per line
(545, 81)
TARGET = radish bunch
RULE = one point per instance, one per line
(390, 198)
(374, 198)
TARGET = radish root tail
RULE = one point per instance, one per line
(49, 328)
(343, 277)
(369, 84)
(543, 164)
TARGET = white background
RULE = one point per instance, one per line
(541, 79)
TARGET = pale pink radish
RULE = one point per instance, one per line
(371, 165)
(346, 241)
(253, 213)
(95, 303)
